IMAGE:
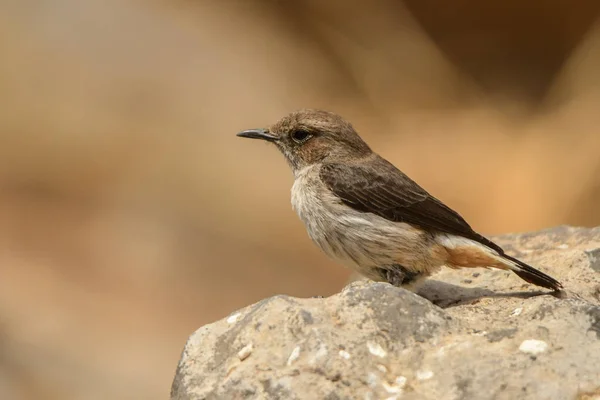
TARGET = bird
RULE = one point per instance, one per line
(366, 214)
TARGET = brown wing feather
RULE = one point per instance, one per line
(380, 188)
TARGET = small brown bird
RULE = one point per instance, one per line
(364, 212)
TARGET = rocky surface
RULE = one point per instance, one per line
(476, 334)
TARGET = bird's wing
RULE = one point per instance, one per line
(378, 187)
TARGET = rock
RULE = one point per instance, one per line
(469, 334)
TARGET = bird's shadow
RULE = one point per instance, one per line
(446, 295)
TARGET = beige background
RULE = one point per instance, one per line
(130, 214)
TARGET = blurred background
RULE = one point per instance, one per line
(130, 214)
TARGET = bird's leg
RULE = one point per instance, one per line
(397, 275)
(394, 277)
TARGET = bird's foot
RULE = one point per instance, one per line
(397, 275)
(394, 278)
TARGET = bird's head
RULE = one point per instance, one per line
(308, 137)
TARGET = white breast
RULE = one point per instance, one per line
(310, 202)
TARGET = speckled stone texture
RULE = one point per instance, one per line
(473, 334)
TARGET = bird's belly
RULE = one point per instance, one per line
(356, 239)
(361, 242)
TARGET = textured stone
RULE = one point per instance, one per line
(470, 334)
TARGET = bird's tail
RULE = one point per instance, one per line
(530, 274)
(467, 253)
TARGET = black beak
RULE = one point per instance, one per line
(258, 134)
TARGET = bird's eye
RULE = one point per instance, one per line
(300, 136)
